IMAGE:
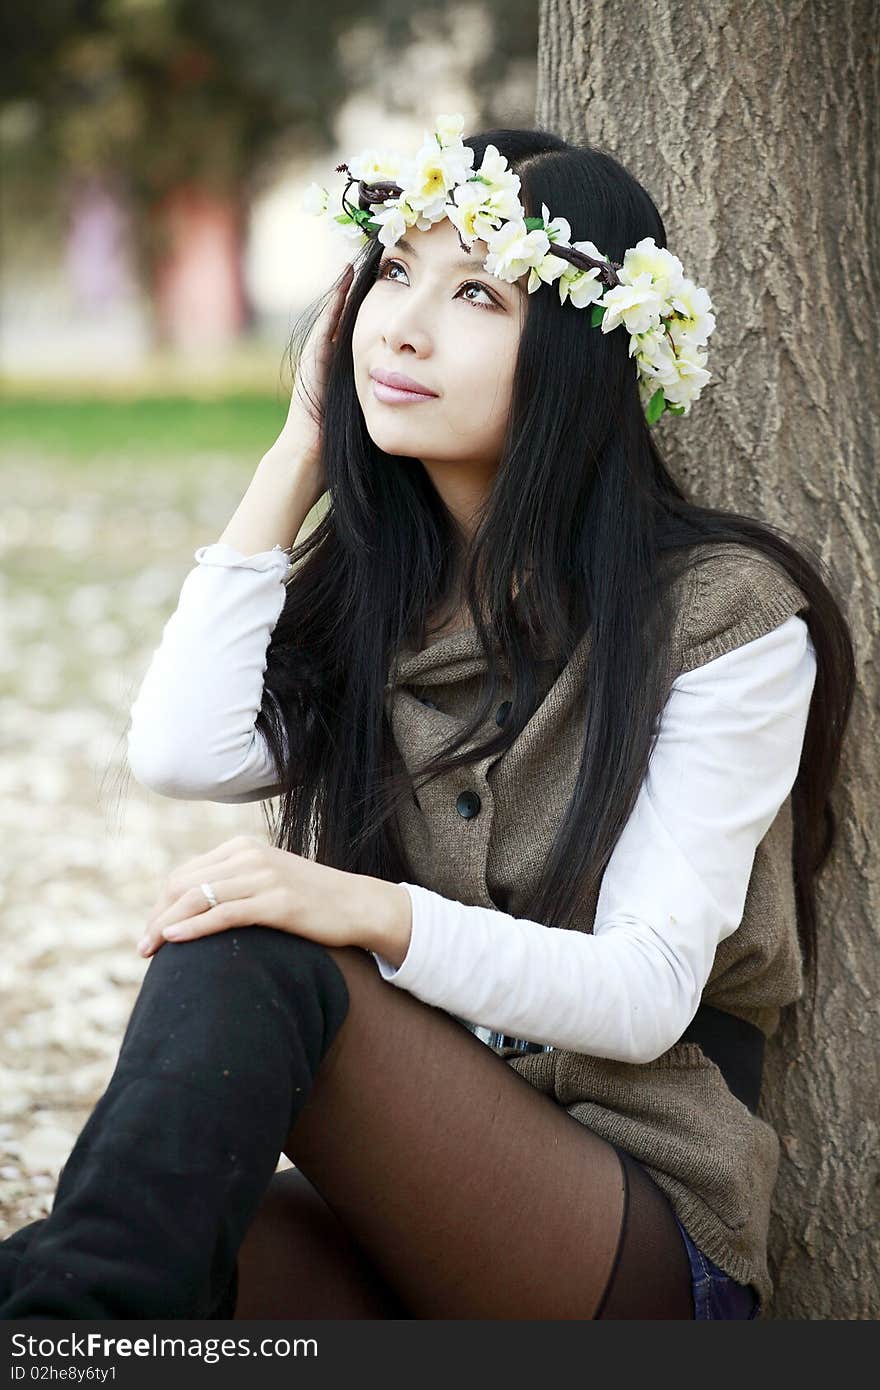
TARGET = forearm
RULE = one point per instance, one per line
(279, 497)
(382, 914)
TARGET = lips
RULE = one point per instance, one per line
(398, 382)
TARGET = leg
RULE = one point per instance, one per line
(471, 1193)
(651, 1248)
(169, 1172)
(297, 1254)
(12, 1250)
(154, 1200)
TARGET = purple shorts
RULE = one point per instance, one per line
(716, 1294)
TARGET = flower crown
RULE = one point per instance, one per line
(666, 315)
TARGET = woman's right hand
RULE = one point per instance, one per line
(301, 432)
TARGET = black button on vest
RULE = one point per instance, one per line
(468, 804)
(502, 712)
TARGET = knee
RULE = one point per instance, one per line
(287, 959)
(253, 942)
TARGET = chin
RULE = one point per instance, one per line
(388, 438)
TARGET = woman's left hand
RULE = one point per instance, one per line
(255, 883)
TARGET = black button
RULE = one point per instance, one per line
(468, 804)
(502, 712)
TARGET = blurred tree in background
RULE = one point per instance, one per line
(206, 95)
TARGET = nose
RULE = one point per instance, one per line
(405, 327)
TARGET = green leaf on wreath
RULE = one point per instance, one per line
(656, 406)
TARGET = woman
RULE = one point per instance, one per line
(510, 594)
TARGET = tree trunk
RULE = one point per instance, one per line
(753, 127)
(199, 293)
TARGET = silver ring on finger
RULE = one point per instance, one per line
(209, 894)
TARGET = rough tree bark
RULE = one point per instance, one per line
(753, 126)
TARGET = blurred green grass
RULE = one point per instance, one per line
(90, 427)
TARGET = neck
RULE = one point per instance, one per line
(464, 490)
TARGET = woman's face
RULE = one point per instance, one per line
(434, 315)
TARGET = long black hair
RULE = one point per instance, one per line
(584, 525)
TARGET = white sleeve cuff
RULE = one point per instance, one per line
(418, 953)
(226, 556)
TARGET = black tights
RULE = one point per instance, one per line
(430, 1179)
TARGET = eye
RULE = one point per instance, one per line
(388, 265)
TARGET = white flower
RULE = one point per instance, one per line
(426, 217)
(376, 166)
(637, 304)
(449, 129)
(501, 201)
(664, 269)
(499, 184)
(513, 250)
(470, 214)
(477, 210)
(696, 322)
(557, 229)
(434, 171)
(392, 224)
(681, 374)
(352, 232)
(655, 356)
(581, 286)
(691, 377)
(551, 267)
(314, 200)
(494, 164)
(545, 272)
(349, 229)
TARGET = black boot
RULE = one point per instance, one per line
(218, 1058)
(11, 1253)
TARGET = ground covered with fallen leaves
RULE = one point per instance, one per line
(94, 551)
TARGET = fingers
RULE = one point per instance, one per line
(323, 336)
(235, 913)
(224, 851)
(333, 306)
(192, 913)
(230, 855)
(229, 851)
(192, 917)
(341, 295)
(242, 902)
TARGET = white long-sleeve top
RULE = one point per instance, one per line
(726, 757)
